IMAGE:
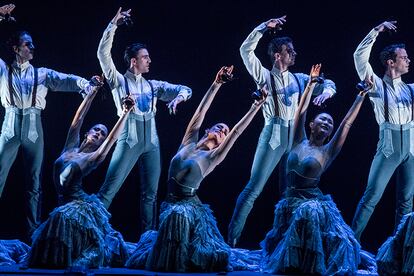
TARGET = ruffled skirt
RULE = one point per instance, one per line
(78, 234)
(396, 255)
(12, 252)
(188, 240)
(310, 236)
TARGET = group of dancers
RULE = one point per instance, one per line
(309, 234)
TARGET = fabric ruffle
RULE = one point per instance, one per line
(396, 255)
(78, 234)
(188, 240)
(12, 252)
(310, 236)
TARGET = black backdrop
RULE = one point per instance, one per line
(188, 42)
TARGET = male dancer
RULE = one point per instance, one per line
(278, 110)
(139, 140)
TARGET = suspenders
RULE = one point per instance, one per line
(129, 93)
(272, 83)
(386, 109)
(34, 91)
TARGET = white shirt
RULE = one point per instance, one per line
(139, 87)
(23, 80)
(399, 95)
(285, 103)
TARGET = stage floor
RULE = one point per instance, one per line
(16, 270)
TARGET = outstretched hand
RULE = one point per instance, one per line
(224, 74)
(315, 71)
(6, 9)
(127, 104)
(276, 23)
(387, 25)
(263, 96)
(172, 106)
(368, 83)
(96, 82)
(314, 77)
(120, 16)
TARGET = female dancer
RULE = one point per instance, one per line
(396, 255)
(78, 233)
(188, 238)
(309, 234)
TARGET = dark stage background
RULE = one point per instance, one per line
(188, 42)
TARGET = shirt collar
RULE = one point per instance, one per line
(132, 76)
(394, 82)
(22, 66)
(278, 72)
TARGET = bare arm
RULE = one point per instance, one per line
(100, 154)
(191, 133)
(300, 114)
(72, 139)
(221, 151)
(341, 133)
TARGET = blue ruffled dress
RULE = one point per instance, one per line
(188, 239)
(396, 255)
(12, 252)
(77, 233)
(309, 234)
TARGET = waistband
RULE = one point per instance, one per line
(143, 117)
(177, 189)
(25, 111)
(278, 121)
(387, 125)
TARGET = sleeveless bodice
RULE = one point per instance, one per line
(185, 175)
(67, 177)
(304, 173)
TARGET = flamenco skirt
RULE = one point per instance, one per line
(188, 240)
(78, 234)
(12, 252)
(309, 236)
(396, 255)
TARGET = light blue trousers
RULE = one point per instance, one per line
(138, 143)
(274, 142)
(23, 129)
(394, 154)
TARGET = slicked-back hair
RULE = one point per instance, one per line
(131, 51)
(14, 39)
(389, 53)
(275, 46)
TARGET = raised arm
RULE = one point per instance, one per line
(105, 46)
(72, 139)
(191, 133)
(363, 51)
(219, 153)
(300, 115)
(5, 11)
(341, 133)
(250, 60)
(100, 154)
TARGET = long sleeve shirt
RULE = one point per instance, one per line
(140, 89)
(284, 101)
(399, 95)
(23, 81)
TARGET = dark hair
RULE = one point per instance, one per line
(131, 51)
(14, 39)
(389, 53)
(275, 46)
